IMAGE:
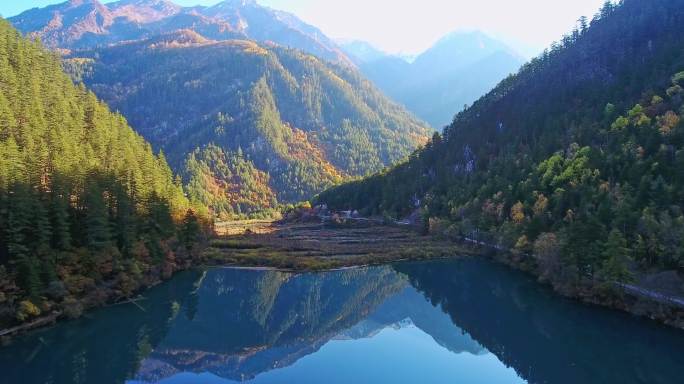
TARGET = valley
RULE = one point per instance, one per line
(261, 195)
(438, 83)
(307, 123)
(240, 98)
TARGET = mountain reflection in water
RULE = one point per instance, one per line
(464, 320)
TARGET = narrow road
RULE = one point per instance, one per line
(659, 297)
(628, 288)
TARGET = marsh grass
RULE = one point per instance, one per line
(315, 248)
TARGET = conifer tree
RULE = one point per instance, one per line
(98, 233)
(59, 213)
(190, 230)
(125, 225)
(616, 258)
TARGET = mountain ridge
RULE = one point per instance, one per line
(74, 25)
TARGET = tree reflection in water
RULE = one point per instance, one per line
(239, 324)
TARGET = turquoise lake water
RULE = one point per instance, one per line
(456, 321)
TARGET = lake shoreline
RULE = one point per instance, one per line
(314, 247)
(100, 297)
(238, 325)
(311, 248)
(295, 248)
(614, 295)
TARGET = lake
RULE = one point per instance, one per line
(452, 321)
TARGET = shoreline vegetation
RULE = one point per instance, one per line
(307, 240)
(286, 246)
(581, 188)
(312, 245)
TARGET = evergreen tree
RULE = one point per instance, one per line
(125, 222)
(18, 222)
(28, 275)
(98, 231)
(616, 258)
(159, 219)
(59, 213)
(190, 230)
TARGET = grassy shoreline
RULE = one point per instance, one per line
(302, 247)
(287, 247)
(307, 247)
(317, 247)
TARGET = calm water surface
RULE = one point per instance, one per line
(460, 321)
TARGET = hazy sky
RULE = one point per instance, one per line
(410, 26)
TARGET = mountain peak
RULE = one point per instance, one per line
(459, 68)
(181, 37)
(460, 49)
(70, 4)
(145, 3)
(235, 4)
(472, 38)
(361, 51)
(77, 3)
(144, 11)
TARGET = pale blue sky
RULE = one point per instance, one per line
(411, 26)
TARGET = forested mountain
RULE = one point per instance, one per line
(228, 182)
(306, 122)
(87, 211)
(79, 24)
(576, 159)
(454, 72)
(223, 83)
